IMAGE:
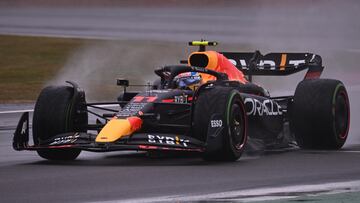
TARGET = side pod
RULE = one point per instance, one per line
(21, 135)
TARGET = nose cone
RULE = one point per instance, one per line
(117, 128)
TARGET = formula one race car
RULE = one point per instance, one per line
(208, 105)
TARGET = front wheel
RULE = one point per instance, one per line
(55, 113)
(219, 119)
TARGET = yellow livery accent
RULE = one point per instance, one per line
(202, 43)
(114, 130)
(283, 62)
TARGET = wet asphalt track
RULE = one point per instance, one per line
(129, 175)
(121, 176)
(329, 28)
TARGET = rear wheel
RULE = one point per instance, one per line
(219, 119)
(320, 114)
(56, 113)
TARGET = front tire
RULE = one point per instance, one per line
(55, 113)
(220, 120)
(320, 114)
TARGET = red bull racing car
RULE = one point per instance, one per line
(207, 105)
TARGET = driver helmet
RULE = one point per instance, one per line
(188, 79)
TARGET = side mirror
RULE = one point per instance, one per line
(122, 82)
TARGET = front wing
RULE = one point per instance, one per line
(86, 141)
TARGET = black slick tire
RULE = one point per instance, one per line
(54, 114)
(320, 114)
(227, 103)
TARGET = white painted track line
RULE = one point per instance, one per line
(259, 194)
(17, 111)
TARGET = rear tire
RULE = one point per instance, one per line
(320, 114)
(53, 115)
(227, 104)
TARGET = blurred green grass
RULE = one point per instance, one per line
(26, 63)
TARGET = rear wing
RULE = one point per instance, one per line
(254, 63)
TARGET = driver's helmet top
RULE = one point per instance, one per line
(188, 79)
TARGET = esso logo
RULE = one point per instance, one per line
(216, 123)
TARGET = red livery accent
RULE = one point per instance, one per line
(138, 98)
(144, 99)
(151, 147)
(312, 75)
(61, 146)
(135, 123)
(168, 100)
